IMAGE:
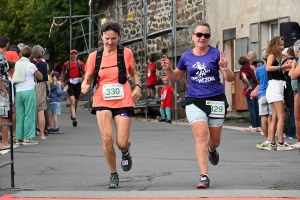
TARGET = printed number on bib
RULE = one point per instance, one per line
(217, 109)
(113, 91)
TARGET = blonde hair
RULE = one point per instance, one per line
(54, 81)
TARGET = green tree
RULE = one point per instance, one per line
(29, 21)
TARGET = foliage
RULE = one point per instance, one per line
(29, 21)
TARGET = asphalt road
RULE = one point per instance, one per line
(164, 164)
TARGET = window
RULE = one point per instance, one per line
(273, 30)
(124, 7)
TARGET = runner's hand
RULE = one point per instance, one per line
(223, 60)
(165, 63)
(85, 88)
(136, 93)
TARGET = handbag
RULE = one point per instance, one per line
(254, 93)
(4, 106)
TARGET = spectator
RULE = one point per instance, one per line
(166, 101)
(42, 88)
(151, 80)
(11, 71)
(249, 80)
(265, 109)
(56, 91)
(4, 92)
(24, 78)
(295, 75)
(274, 93)
(289, 95)
(13, 54)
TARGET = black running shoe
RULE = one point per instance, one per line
(126, 162)
(74, 122)
(113, 181)
(204, 182)
(213, 157)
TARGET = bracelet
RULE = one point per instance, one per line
(279, 67)
(224, 68)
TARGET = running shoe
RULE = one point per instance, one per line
(126, 162)
(74, 122)
(113, 181)
(272, 147)
(296, 145)
(284, 147)
(162, 120)
(169, 121)
(204, 182)
(213, 157)
(263, 145)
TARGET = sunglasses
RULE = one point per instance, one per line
(199, 35)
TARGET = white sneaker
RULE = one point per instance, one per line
(284, 147)
(296, 145)
(4, 151)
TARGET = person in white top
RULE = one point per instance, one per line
(26, 98)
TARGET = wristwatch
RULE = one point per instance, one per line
(139, 85)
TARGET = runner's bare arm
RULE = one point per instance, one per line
(86, 84)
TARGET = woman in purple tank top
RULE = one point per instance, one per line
(205, 100)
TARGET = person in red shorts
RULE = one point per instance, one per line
(151, 80)
(73, 73)
(113, 100)
(166, 105)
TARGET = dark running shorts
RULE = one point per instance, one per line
(126, 111)
(74, 90)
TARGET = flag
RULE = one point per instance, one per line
(90, 1)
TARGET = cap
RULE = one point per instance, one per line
(284, 51)
(56, 74)
(164, 78)
(21, 46)
(73, 51)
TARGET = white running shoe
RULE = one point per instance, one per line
(296, 145)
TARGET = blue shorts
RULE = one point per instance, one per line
(195, 114)
(54, 108)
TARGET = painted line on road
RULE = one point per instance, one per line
(10, 197)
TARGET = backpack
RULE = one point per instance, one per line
(67, 72)
(122, 77)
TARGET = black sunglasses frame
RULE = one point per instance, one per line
(199, 35)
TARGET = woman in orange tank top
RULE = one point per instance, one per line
(112, 100)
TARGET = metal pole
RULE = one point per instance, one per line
(116, 11)
(90, 45)
(70, 18)
(175, 53)
(145, 51)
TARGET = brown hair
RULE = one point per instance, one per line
(242, 60)
(27, 51)
(273, 46)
